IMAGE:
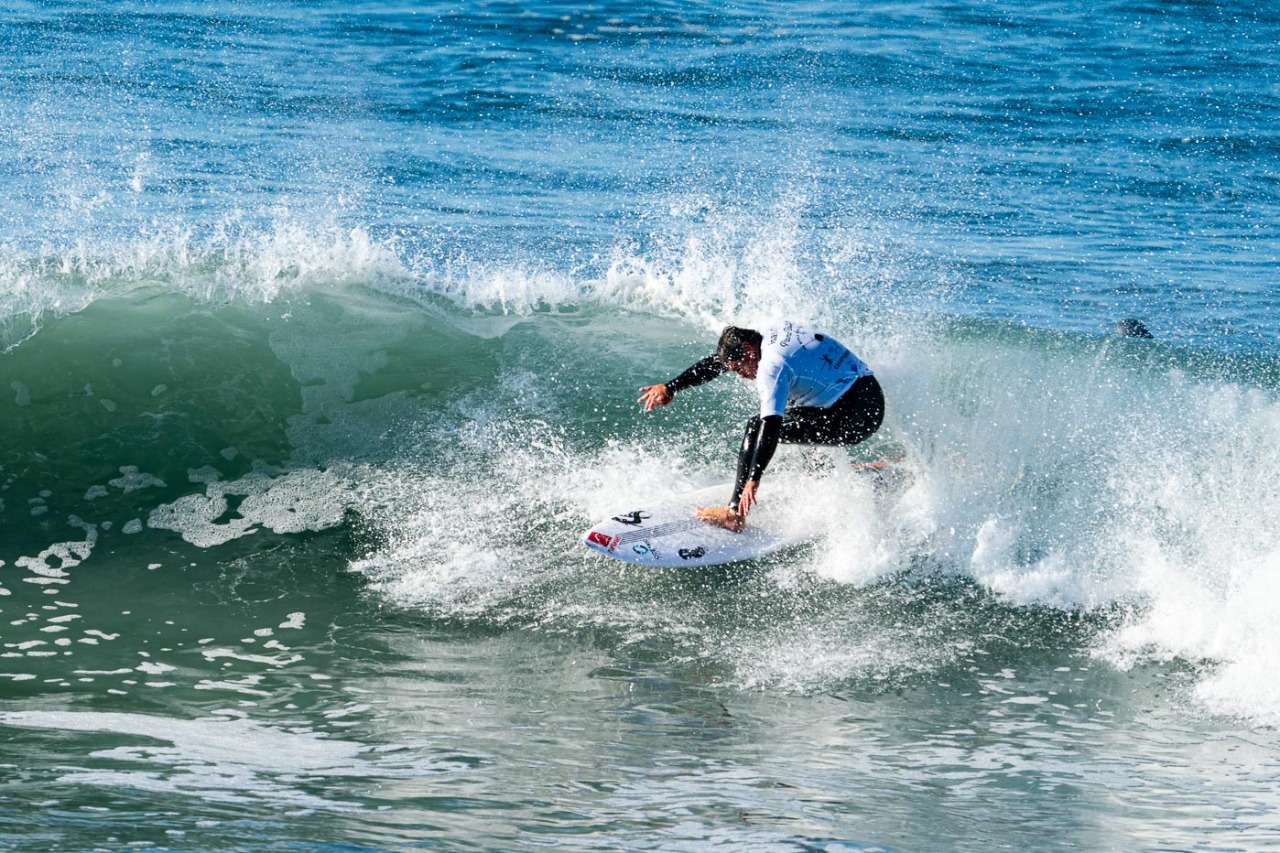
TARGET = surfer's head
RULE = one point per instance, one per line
(739, 350)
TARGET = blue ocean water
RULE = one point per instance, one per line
(320, 329)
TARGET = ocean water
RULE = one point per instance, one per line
(321, 326)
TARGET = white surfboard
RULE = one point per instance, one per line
(666, 533)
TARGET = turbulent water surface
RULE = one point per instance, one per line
(321, 326)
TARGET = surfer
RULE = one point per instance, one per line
(812, 390)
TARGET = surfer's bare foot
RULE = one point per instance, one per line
(722, 516)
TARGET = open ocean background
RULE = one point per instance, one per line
(321, 325)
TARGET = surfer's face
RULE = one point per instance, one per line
(746, 366)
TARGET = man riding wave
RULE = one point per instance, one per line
(812, 390)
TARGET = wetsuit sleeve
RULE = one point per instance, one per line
(770, 431)
(758, 446)
(704, 371)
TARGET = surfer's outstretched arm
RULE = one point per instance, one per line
(653, 396)
(704, 370)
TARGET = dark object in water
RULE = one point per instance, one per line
(1133, 329)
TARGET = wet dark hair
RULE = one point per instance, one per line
(731, 341)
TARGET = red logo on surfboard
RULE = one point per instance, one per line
(604, 540)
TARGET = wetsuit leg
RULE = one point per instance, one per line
(852, 419)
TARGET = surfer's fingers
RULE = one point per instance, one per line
(651, 396)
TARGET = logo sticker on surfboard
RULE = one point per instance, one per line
(604, 540)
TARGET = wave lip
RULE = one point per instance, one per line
(233, 261)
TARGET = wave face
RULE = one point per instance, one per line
(471, 425)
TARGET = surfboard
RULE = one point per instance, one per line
(665, 533)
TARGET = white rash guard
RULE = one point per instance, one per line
(803, 369)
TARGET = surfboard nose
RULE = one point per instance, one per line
(600, 541)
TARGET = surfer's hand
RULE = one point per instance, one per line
(747, 499)
(653, 396)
